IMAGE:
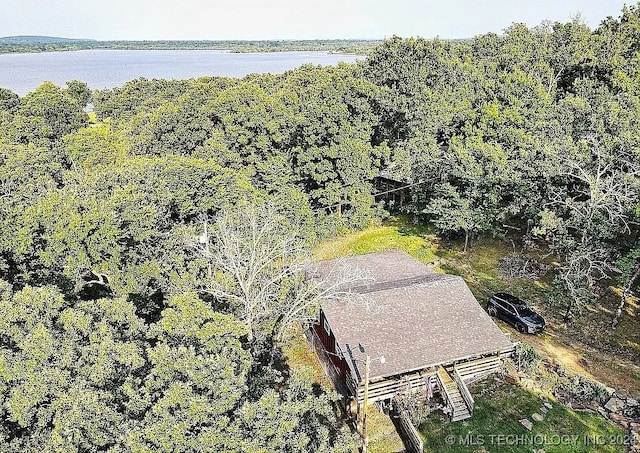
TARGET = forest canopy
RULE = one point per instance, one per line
(128, 320)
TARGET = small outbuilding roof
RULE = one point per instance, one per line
(414, 317)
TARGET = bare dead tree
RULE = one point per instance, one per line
(599, 205)
(623, 297)
(582, 268)
(311, 289)
(608, 188)
(262, 267)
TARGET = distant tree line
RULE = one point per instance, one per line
(43, 44)
(153, 261)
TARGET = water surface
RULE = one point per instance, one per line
(23, 72)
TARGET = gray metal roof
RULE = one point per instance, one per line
(412, 316)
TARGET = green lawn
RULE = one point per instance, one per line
(494, 426)
(419, 242)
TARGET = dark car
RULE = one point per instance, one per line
(515, 312)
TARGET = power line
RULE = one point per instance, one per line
(374, 195)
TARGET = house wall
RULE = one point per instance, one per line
(328, 341)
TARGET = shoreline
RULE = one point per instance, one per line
(346, 47)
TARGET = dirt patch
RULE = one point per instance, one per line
(585, 360)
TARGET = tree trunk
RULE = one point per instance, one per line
(567, 313)
(623, 298)
(466, 240)
(250, 336)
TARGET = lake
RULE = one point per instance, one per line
(23, 72)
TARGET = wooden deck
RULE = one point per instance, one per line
(461, 374)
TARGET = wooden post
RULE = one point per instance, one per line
(365, 441)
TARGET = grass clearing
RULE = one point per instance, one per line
(415, 241)
(383, 437)
(495, 426)
(298, 353)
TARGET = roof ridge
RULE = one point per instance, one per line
(423, 279)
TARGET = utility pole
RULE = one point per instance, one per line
(365, 441)
(365, 403)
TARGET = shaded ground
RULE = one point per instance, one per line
(383, 437)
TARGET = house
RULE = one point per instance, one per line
(418, 330)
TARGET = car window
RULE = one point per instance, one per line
(510, 308)
(498, 303)
(525, 311)
(512, 299)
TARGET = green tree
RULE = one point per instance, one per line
(98, 146)
(64, 369)
(9, 101)
(46, 115)
(196, 379)
(79, 91)
(169, 129)
(296, 420)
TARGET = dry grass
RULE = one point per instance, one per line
(298, 353)
(383, 437)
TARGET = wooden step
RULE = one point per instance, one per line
(453, 396)
(460, 417)
(474, 369)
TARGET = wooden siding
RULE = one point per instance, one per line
(328, 341)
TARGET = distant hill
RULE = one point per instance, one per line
(27, 44)
(27, 40)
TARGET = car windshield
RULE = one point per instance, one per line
(525, 311)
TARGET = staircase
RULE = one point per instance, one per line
(456, 398)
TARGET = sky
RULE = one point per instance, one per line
(286, 19)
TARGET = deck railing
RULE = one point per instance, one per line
(408, 433)
(464, 390)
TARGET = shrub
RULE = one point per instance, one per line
(527, 360)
